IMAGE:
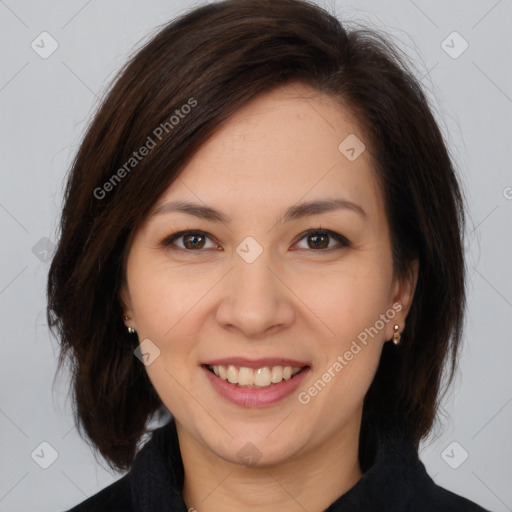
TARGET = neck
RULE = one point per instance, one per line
(312, 480)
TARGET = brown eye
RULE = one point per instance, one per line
(193, 241)
(190, 241)
(319, 240)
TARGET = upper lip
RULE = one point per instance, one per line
(256, 363)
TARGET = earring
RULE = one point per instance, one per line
(396, 335)
(131, 330)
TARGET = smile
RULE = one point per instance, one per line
(254, 378)
(254, 387)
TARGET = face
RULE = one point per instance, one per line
(265, 283)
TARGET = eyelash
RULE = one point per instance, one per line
(344, 242)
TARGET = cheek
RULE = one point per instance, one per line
(349, 299)
(168, 306)
(351, 355)
(162, 297)
(165, 305)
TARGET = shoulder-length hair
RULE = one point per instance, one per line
(170, 97)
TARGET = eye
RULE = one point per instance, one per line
(319, 239)
(192, 240)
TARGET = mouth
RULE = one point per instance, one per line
(253, 384)
(256, 375)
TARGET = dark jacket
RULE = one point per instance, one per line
(397, 481)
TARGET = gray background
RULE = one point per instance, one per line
(45, 106)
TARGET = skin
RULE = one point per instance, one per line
(292, 301)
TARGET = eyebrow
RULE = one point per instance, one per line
(292, 213)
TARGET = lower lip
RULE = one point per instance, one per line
(254, 397)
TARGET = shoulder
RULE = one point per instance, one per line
(425, 495)
(439, 498)
(114, 498)
(398, 481)
(152, 482)
(422, 494)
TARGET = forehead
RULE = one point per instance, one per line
(287, 145)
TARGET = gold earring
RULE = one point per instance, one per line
(396, 335)
(131, 330)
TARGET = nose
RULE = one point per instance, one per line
(255, 299)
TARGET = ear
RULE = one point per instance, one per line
(126, 304)
(403, 294)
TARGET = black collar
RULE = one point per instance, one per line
(396, 481)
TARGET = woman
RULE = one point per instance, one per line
(262, 235)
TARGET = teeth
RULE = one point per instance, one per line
(232, 374)
(247, 377)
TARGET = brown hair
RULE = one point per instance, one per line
(221, 56)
